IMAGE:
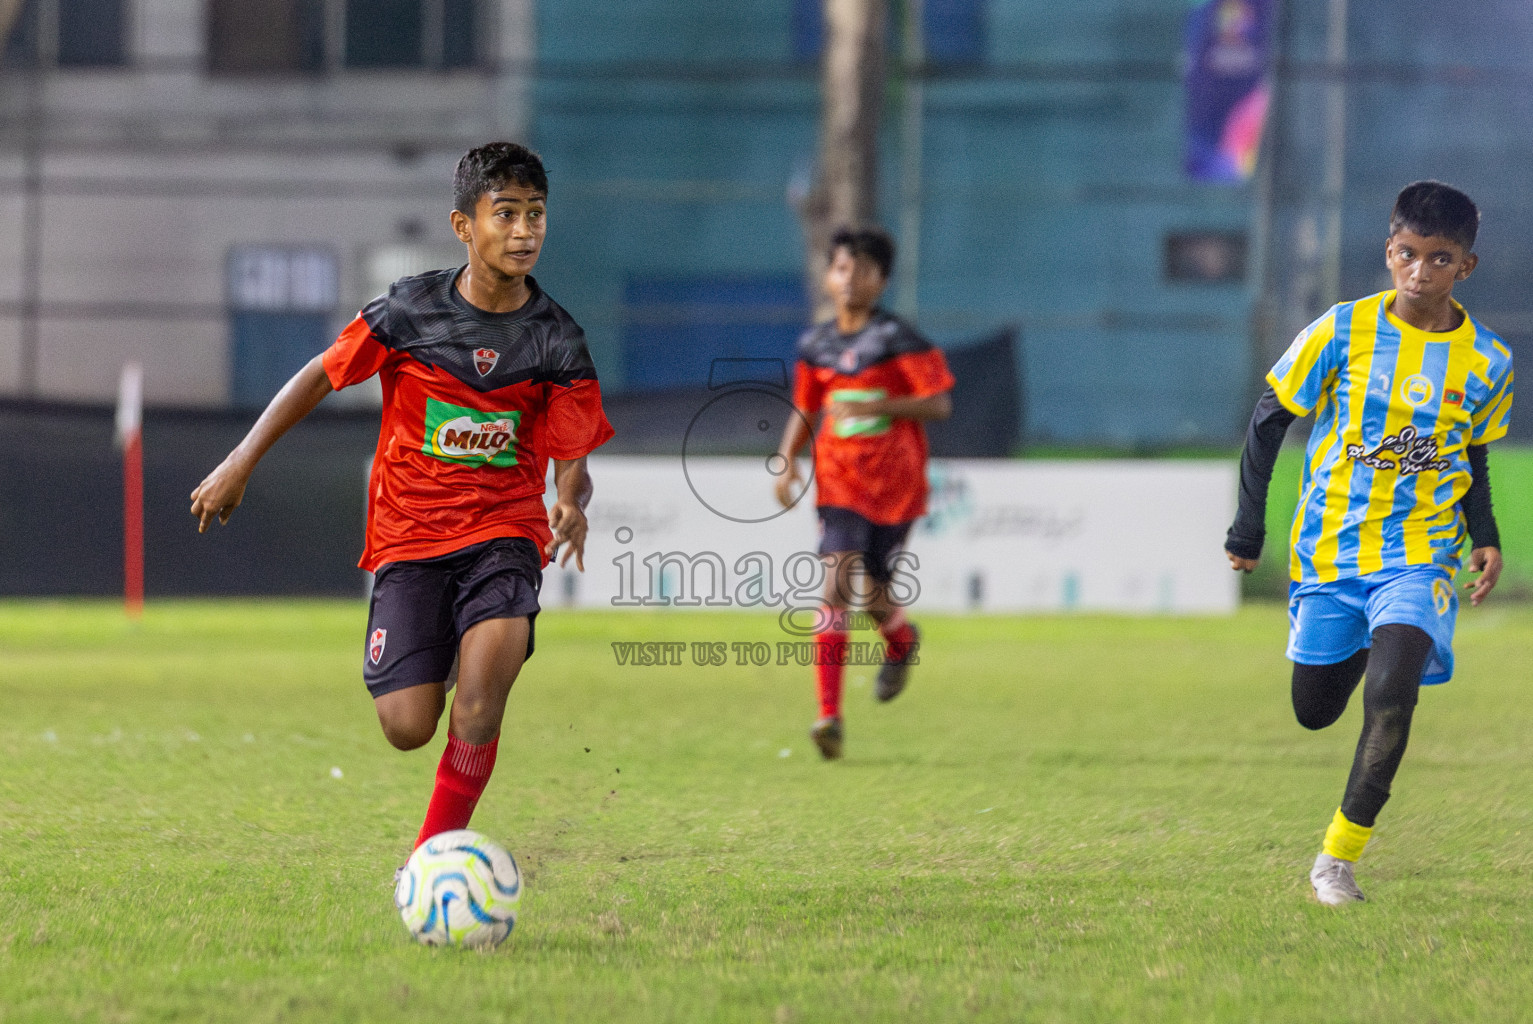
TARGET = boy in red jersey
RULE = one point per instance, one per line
(485, 378)
(865, 382)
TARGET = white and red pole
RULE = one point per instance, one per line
(130, 438)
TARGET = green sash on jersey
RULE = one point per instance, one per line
(860, 426)
(456, 433)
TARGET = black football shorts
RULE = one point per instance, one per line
(841, 529)
(421, 609)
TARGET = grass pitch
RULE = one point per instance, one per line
(1064, 819)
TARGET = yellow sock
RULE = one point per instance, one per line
(1344, 840)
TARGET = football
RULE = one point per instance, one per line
(459, 888)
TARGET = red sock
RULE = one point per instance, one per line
(897, 634)
(460, 779)
(829, 659)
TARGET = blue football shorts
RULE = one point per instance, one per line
(1330, 622)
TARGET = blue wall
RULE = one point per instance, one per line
(674, 130)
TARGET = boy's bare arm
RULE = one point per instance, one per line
(567, 517)
(794, 434)
(223, 490)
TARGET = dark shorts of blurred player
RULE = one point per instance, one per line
(864, 581)
(421, 609)
(842, 531)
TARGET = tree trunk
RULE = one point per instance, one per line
(845, 186)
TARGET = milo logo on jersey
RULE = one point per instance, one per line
(860, 426)
(455, 433)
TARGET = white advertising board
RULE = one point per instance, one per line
(1001, 536)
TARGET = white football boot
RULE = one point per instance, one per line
(1333, 881)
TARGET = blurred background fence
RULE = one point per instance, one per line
(61, 522)
(300, 530)
(212, 187)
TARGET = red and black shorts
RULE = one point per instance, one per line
(421, 609)
(841, 529)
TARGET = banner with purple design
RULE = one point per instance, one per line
(1229, 82)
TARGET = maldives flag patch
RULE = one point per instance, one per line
(1452, 397)
(375, 644)
(485, 360)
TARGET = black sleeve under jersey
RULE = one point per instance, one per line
(1264, 439)
(1478, 514)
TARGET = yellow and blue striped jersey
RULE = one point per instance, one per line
(1395, 408)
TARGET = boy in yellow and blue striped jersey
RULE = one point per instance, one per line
(1407, 390)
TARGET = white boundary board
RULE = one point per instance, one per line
(1136, 536)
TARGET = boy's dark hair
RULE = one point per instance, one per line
(1432, 208)
(872, 242)
(491, 167)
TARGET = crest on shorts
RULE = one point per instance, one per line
(1442, 596)
(375, 644)
(485, 360)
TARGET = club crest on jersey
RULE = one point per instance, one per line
(375, 645)
(456, 433)
(485, 360)
(1417, 390)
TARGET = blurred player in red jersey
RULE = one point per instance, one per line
(865, 382)
(485, 378)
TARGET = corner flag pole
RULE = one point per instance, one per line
(130, 421)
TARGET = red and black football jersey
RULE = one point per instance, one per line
(474, 406)
(873, 465)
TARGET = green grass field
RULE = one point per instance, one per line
(1065, 819)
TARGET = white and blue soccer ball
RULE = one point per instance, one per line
(459, 888)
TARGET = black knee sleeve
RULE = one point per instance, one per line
(1389, 701)
(1321, 692)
